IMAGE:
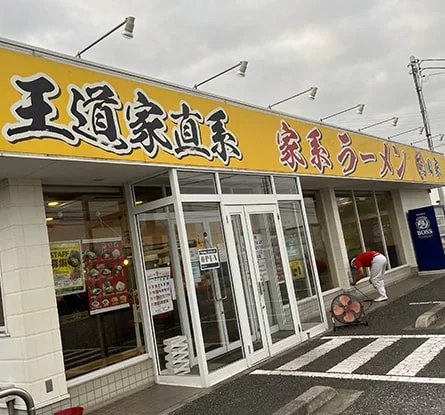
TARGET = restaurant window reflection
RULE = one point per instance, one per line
(318, 232)
(153, 188)
(369, 222)
(371, 216)
(348, 220)
(392, 237)
(300, 263)
(94, 279)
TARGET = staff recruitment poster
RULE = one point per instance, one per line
(67, 267)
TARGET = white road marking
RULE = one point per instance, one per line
(426, 302)
(362, 356)
(314, 353)
(392, 336)
(353, 376)
(404, 371)
(419, 358)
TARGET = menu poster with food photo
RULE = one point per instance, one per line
(159, 284)
(106, 281)
(67, 268)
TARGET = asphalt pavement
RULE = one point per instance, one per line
(400, 369)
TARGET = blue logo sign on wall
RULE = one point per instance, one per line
(423, 227)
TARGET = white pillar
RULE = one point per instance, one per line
(441, 191)
(336, 245)
(404, 200)
(31, 353)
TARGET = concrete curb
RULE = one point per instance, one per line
(428, 318)
(308, 401)
(345, 398)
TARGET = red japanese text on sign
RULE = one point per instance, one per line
(400, 171)
(386, 159)
(347, 156)
(319, 154)
(288, 142)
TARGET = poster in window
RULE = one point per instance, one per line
(67, 267)
(105, 275)
(159, 284)
(194, 258)
(261, 257)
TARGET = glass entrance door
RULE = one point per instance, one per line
(303, 266)
(213, 287)
(257, 266)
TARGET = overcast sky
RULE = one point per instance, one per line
(353, 51)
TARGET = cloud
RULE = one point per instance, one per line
(355, 52)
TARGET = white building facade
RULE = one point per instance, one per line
(153, 234)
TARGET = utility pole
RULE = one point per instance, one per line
(415, 71)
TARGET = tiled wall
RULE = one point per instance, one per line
(31, 354)
(102, 391)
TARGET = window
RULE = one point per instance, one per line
(196, 182)
(369, 221)
(2, 314)
(166, 286)
(392, 239)
(285, 185)
(348, 219)
(369, 217)
(153, 188)
(298, 252)
(312, 205)
(97, 296)
(245, 184)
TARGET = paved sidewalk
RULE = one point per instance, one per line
(258, 394)
(154, 400)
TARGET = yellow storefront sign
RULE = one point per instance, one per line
(58, 108)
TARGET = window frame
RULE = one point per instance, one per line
(352, 194)
(321, 219)
(83, 192)
(3, 327)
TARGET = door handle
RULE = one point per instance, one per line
(261, 287)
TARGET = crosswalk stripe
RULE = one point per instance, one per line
(392, 336)
(419, 358)
(314, 354)
(362, 356)
(405, 371)
(353, 376)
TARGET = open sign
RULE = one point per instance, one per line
(208, 258)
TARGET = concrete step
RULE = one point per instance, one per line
(433, 317)
(344, 399)
(320, 400)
